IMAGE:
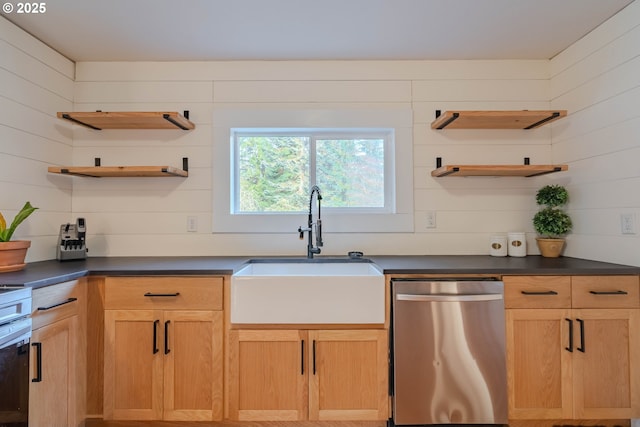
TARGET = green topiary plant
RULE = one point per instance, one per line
(552, 196)
(552, 222)
(6, 233)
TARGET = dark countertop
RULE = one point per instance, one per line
(44, 273)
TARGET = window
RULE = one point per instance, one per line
(275, 169)
(361, 157)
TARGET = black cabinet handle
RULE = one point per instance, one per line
(581, 347)
(151, 294)
(314, 357)
(38, 346)
(539, 292)
(166, 337)
(155, 336)
(570, 348)
(608, 292)
(69, 300)
(302, 358)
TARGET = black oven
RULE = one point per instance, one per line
(15, 333)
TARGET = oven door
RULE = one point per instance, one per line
(14, 382)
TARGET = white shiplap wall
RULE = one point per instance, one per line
(598, 80)
(35, 82)
(148, 216)
(595, 80)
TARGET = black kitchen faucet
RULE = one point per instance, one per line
(310, 224)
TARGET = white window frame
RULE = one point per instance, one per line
(314, 134)
(226, 118)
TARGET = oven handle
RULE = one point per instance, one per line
(449, 297)
(68, 300)
(38, 346)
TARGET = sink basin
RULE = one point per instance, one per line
(300, 291)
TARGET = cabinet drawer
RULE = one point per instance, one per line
(55, 302)
(537, 291)
(605, 291)
(163, 293)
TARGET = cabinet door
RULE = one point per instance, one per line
(539, 364)
(53, 397)
(267, 375)
(192, 351)
(606, 377)
(133, 364)
(348, 375)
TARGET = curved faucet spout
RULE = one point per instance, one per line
(310, 224)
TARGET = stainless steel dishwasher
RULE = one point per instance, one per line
(448, 358)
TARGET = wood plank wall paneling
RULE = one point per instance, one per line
(421, 85)
(597, 80)
(36, 81)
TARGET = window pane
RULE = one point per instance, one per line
(350, 172)
(273, 173)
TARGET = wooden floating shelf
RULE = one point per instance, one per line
(119, 171)
(99, 120)
(98, 171)
(525, 119)
(497, 170)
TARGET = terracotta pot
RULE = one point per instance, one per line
(550, 248)
(12, 255)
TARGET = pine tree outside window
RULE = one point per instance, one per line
(275, 169)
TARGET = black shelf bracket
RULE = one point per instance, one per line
(170, 119)
(555, 169)
(439, 165)
(96, 161)
(527, 161)
(448, 122)
(452, 171)
(68, 117)
(546, 119)
(185, 164)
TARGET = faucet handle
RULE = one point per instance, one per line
(318, 232)
(301, 231)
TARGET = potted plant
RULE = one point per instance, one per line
(13, 252)
(551, 222)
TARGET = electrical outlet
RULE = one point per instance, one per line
(192, 224)
(430, 219)
(627, 223)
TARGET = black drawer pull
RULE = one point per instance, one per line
(581, 347)
(151, 294)
(539, 292)
(314, 357)
(166, 337)
(57, 305)
(155, 336)
(570, 348)
(38, 346)
(608, 292)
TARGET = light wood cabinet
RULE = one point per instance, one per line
(163, 348)
(348, 377)
(577, 359)
(56, 393)
(293, 375)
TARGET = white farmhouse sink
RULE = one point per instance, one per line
(296, 291)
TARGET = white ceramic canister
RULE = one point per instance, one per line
(498, 245)
(517, 243)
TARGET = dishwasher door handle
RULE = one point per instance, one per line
(449, 297)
